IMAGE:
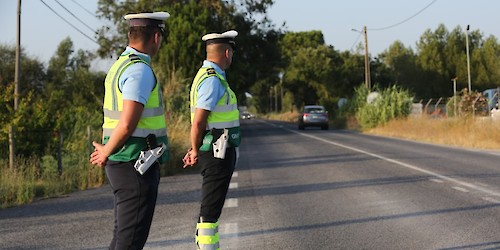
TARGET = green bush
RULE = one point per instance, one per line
(393, 102)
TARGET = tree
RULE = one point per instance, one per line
(442, 56)
(31, 79)
(487, 65)
(401, 62)
(183, 51)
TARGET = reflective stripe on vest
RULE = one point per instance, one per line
(225, 113)
(152, 119)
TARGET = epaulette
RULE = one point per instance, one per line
(210, 71)
(134, 57)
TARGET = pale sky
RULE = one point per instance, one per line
(43, 30)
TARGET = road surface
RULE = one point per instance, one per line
(311, 189)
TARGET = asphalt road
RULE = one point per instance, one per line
(292, 189)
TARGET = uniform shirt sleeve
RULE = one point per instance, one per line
(209, 93)
(137, 82)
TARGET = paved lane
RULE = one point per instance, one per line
(293, 189)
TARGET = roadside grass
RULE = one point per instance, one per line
(334, 123)
(466, 132)
(38, 177)
(287, 116)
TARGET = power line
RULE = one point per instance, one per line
(357, 39)
(88, 11)
(69, 23)
(95, 32)
(407, 19)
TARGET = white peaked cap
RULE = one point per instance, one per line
(228, 35)
(147, 19)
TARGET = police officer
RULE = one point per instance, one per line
(215, 133)
(133, 110)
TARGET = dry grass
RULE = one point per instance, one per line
(481, 133)
(178, 129)
(287, 116)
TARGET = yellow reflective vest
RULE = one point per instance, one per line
(152, 120)
(226, 113)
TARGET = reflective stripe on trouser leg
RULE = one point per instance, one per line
(207, 236)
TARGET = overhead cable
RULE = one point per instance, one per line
(357, 39)
(69, 23)
(88, 11)
(407, 19)
(71, 13)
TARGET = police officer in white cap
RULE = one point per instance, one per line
(133, 120)
(215, 133)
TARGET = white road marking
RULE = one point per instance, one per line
(233, 185)
(461, 189)
(437, 180)
(232, 202)
(406, 165)
(492, 200)
(235, 174)
(229, 228)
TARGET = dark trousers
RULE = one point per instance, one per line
(135, 200)
(216, 174)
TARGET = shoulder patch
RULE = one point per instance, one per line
(211, 71)
(134, 57)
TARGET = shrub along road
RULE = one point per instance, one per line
(293, 189)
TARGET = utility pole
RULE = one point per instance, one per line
(468, 59)
(281, 90)
(367, 62)
(276, 98)
(12, 142)
(270, 99)
(454, 96)
(367, 59)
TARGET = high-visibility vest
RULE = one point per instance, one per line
(225, 114)
(152, 120)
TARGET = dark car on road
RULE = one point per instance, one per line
(313, 116)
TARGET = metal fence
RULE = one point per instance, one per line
(435, 107)
(449, 106)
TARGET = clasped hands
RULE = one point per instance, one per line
(190, 159)
(98, 157)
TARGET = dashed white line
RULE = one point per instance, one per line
(461, 189)
(229, 228)
(232, 202)
(235, 174)
(437, 180)
(403, 164)
(233, 185)
(491, 199)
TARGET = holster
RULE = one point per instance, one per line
(149, 155)
(220, 145)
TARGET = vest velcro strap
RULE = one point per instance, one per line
(148, 112)
(139, 132)
(225, 108)
(221, 125)
(222, 108)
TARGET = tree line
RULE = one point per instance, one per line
(66, 96)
